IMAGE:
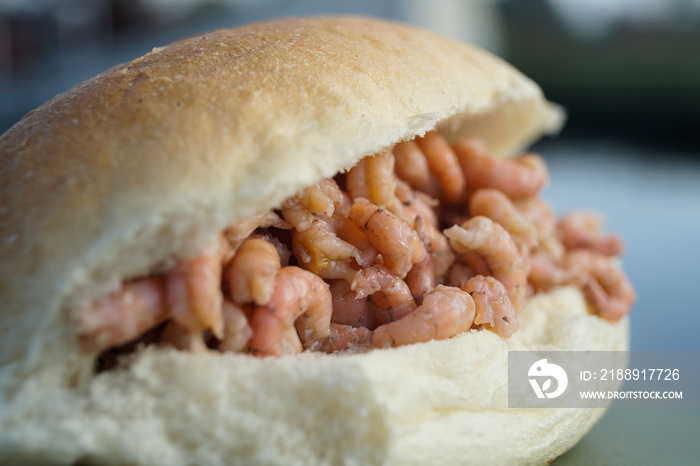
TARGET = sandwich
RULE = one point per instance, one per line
(302, 241)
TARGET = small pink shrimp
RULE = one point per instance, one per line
(291, 344)
(398, 244)
(538, 212)
(281, 246)
(495, 205)
(389, 293)
(459, 274)
(373, 179)
(181, 338)
(493, 307)
(345, 338)
(239, 232)
(517, 178)
(488, 249)
(545, 272)
(348, 308)
(351, 234)
(420, 207)
(606, 287)
(251, 272)
(437, 245)
(421, 278)
(300, 299)
(412, 167)
(330, 190)
(194, 293)
(582, 230)
(237, 331)
(442, 260)
(403, 191)
(416, 203)
(123, 315)
(443, 162)
(323, 198)
(445, 312)
(320, 250)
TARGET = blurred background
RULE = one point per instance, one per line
(627, 71)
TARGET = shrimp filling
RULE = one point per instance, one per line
(424, 241)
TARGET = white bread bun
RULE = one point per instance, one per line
(121, 174)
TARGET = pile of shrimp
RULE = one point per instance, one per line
(423, 241)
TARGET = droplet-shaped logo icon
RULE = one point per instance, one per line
(541, 369)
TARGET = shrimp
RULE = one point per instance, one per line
(403, 191)
(493, 307)
(582, 230)
(459, 274)
(488, 249)
(420, 207)
(300, 299)
(341, 201)
(323, 198)
(445, 312)
(495, 205)
(437, 245)
(181, 338)
(351, 234)
(251, 272)
(389, 293)
(416, 203)
(398, 244)
(606, 288)
(516, 178)
(291, 344)
(412, 167)
(373, 179)
(319, 250)
(237, 331)
(280, 244)
(238, 233)
(345, 338)
(193, 290)
(348, 308)
(443, 162)
(541, 215)
(421, 278)
(123, 315)
(545, 272)
(441, 252)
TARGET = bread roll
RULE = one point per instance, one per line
(118, 176)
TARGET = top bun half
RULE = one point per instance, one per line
(129, 169)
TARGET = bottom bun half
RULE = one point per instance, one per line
(441, 402)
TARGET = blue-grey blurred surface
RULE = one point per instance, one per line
(628, 72)
(652, 198)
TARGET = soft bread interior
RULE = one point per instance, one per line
(441, 402)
